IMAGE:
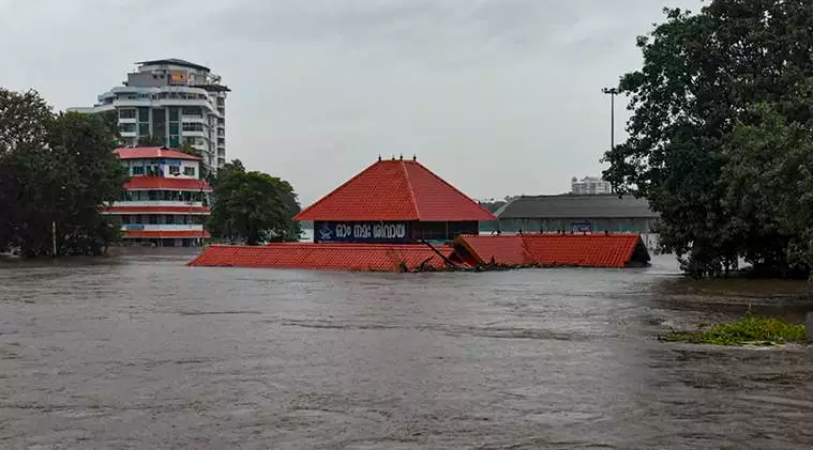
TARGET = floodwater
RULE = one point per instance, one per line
(140, 351)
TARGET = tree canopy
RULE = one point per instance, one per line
(720, 141)
(55, 169)
(253, 207)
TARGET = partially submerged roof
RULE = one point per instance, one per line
(580, 250)
(301, 255)
(576, 206)
(177, 62)
(396, 190)
(153, 152)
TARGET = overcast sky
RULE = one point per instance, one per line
(499, 97)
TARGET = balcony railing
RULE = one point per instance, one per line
(163, 203)
(162, 227)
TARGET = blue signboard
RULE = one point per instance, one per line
(362, 232)
(582, 227)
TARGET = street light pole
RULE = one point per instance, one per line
(611, 92)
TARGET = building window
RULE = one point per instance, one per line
(192, 127)
(174, 170)
(127, 127)
(191, 111)
(174, 141)
(144, 114)
(144, 129)
(138, 171)
(174, 128)
(127, 113)
(189, 171)
(174, 114)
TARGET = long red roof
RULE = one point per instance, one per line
(591, 250)
(351, 257)
(156, 182)
(153, 152)
(396, 190)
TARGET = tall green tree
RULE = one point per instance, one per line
(705, 81)
(253, 207)
(55, 170)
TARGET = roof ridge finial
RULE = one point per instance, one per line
(400, 156)
(414, 157)
(379, 158)
(393, 158)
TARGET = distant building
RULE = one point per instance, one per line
(173, 102)
(580, 214)
(165, 203)
(590, 185)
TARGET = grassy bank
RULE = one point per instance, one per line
(749, 329)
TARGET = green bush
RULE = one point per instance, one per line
(749, 329)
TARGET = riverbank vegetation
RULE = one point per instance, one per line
(748, 330)
(252, 207)
(56, 171)
(720, 141)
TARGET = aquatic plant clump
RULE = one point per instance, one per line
(749, 329)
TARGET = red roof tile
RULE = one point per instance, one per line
(156, 182)
(152, 152)
(300, 255)
(504, 249)
(156, 209)
(166, 234)
(395, 190)
(591, 250)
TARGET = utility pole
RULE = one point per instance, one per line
(611, 92)
(54, 238)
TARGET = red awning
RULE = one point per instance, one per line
(155, 182)
(153, 152)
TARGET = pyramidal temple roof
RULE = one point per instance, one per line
(391, 190)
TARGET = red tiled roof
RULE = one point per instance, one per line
(156, 182)
(395, 190)
(504, 249)
(591, 250)
(353, 257)
(166, 234)
(156, 209)
(152, 152)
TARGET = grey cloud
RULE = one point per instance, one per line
(498, 96)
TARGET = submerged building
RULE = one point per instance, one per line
(398, 216)
(580, 214)
(165, 203)
(394, 201)
(171, 103)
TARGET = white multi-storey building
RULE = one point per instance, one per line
(165, 203)
(170, 103)
(590, 185)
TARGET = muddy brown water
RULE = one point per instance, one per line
(140, 351)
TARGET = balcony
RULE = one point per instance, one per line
(163, 203)
(162, 227)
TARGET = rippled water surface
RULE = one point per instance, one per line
(141, 351)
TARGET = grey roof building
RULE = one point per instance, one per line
(580, 213)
